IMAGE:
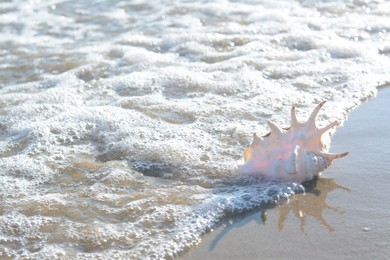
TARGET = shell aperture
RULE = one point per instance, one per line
(294, 154)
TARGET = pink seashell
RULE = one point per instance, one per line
(294, 154)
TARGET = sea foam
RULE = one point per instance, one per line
(122, 124)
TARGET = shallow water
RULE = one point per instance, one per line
(344, 207)
(122, 124)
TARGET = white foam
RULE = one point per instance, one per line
(122, 125)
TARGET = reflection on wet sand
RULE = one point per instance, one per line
(311, 204)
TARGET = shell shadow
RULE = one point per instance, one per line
(311, 203)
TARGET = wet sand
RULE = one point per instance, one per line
(345, 215)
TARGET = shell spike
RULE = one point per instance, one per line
(311, 122)
(275, 129)
(294, 120)
(332, 156)
(326, 128)
(256, 139)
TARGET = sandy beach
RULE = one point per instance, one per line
(123, 126)
(344, 215)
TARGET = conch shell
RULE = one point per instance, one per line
(294, 154)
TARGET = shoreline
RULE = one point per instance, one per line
(345, 215)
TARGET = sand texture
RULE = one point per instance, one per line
(344, 215)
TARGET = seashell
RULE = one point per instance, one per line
(294, 154)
